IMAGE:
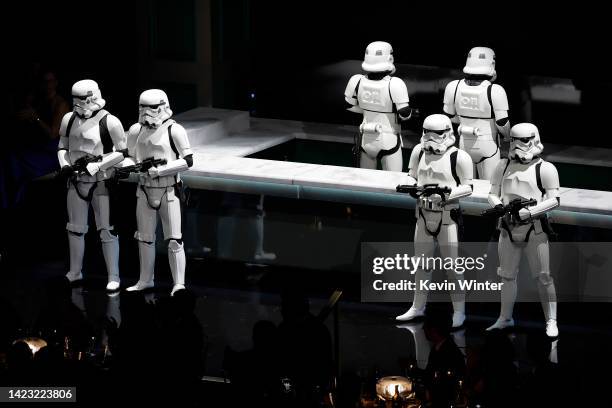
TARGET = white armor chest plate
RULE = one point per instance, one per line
(154, 143)
(436, 169)
(472, 101)
(85, 136)
(374, 95)
(520, 181)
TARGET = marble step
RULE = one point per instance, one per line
(206, 125)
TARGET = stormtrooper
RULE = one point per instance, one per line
(156, 138)
(92, 141)
(440, 175)
(523, 190)
(383, 101)
(479, 109)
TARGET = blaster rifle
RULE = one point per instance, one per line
(143, 166)
(512, 208)
(424, 190)
(80, 165)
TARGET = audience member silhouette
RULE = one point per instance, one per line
(255, 373)
(494, 376)
(19, 365)
(34, 131)
(445, 365)
(305, 347)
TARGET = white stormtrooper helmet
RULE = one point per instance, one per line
(86, 98)
(154, 108)
(481, 61)
(438, 134)
(378, 57)
(525, 142)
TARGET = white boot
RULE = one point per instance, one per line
(458, 317)
(548, 298)
(551, 328)
(176, 288)
(112, 286)
(411, 314)
(146, 253)
(420, 299)
(110, 250)
(458, 300)
(176, 257)
(501, 323)
(508, 297)
(76, 245)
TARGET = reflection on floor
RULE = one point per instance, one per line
(233, 297)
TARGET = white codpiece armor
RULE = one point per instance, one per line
(92, 141)
(383, 101)
(159, 186)
(436, 165)
(480, 109)
(524, 230)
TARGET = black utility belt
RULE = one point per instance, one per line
(476, 117)
(375, 111)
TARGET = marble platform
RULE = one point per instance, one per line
(222, 138)
(362, 186)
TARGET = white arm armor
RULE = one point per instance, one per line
(128, 161)
(110, 160)
(62, 157)
(543, 207)
(350, 93)
(181, 141)
(496, 181)
(62, 153)
(172, 168)
(132, 139)
(449, 100)
(460, 191)
(413, 164)
(500, 109)
(117, 134)
(465, 172)
(494, 200)
(550, 183)
(399, 96)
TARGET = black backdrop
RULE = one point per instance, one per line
(275, 50)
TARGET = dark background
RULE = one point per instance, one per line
(270, 57)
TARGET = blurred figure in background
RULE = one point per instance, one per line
(34, 132)
(445, 365)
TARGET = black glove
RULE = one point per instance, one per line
(66, 172)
